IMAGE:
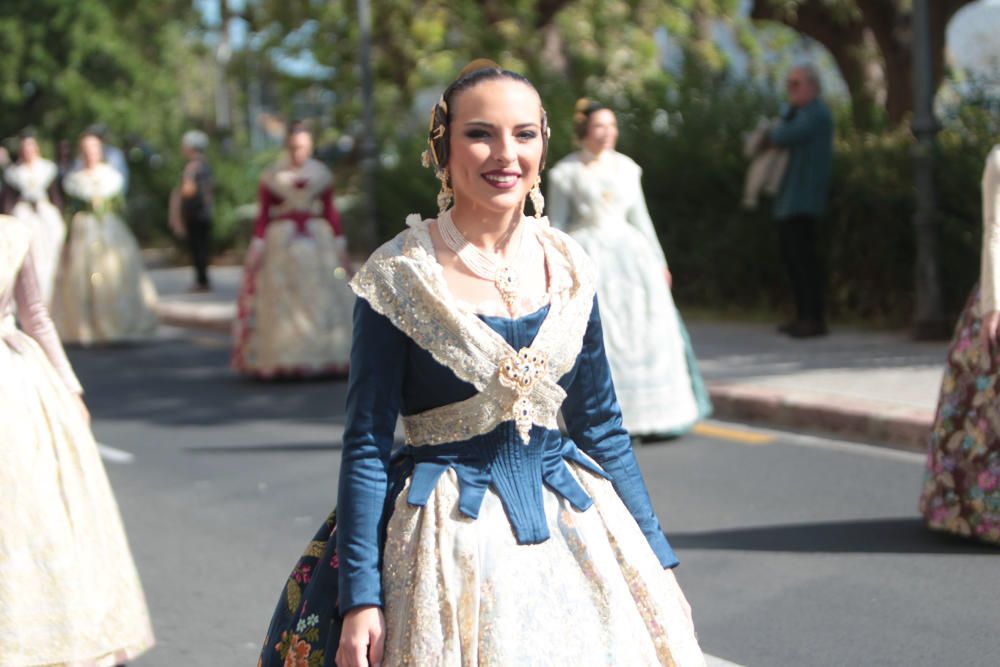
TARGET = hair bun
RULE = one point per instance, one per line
(582, 104)
(476, 65)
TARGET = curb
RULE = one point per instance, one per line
(216, 317)
(893, 426)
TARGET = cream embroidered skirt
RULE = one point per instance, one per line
(462, 592)
(656, 377)
(295, 310)
(69, 591)
(103, 293)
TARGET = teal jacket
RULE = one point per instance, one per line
(807, 133)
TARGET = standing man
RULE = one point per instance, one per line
(806, 131)
(191, 206)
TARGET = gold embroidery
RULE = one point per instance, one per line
(403, 281)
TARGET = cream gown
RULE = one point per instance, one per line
(32, 183)
(294, 308)
(103, 293)
(655, 372)
(69, 591)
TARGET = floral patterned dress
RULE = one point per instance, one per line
(961, 492)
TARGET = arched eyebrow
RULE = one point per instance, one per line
(491, 126)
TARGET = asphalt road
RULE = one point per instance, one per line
(795, 551)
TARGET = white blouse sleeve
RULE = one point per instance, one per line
(35, 321)
(558, 206)
(638, 217)
(989, 279)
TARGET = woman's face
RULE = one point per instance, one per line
(91, 150)
(495, 144)
(29, 149)
(602, 132)
(300, 148)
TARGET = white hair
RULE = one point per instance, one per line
(811, 72)
(195, 139)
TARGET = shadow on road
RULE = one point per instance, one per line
(179, 382)
(877, 536)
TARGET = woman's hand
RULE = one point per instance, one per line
(988, 331)
(362, 638)
(670, 278)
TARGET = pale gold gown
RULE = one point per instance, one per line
(103, 293)
(69, 591)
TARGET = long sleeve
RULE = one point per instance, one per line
(594, 421)
(330, 212)
(800, 128)
(638, 216)
(989, 280)
(35, 321)
(558, 207)
(264, 202)
(378, 362)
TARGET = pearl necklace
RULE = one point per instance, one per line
(503, 276)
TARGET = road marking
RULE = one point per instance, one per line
(112, 455)
(820, 442)
(713, 661)
(714, 429)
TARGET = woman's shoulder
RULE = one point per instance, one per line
(407, 247)
(573, 258)
(993, 159)
(567, 165)
(624, 162)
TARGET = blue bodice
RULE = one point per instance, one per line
(391, 375)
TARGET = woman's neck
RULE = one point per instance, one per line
(489, 231)
(590, 155)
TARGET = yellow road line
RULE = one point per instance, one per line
(735, 434)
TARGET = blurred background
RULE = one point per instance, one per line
(687, 77)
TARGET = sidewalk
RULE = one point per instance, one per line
(875, 387)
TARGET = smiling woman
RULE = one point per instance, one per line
(490, 533)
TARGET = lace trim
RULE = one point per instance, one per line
(404, 282)
(283, 181)
(32, 181)
(100, 183)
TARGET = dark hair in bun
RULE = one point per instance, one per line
(439, 132)
(582, 112)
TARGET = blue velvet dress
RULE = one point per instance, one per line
(483, 550)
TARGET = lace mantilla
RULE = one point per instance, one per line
(32, 180)
(298, 187)
(97, 184)
(404, 282)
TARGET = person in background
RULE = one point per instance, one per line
(69, 591)
(103, 293)
(806, 131)
(490, 535)
(31, 194)
(961, 492)
(191, 206)
(596, 195)
(112, 155)
(294, 309)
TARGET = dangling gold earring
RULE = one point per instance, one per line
(446, 194)
(537, 199)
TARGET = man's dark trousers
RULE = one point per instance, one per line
(805, 269)
(199, 236)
